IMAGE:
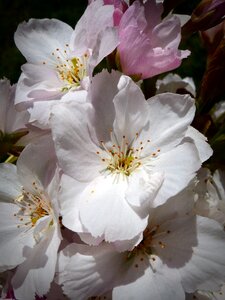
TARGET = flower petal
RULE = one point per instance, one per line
(13, 239)
(86, 271)
(204, 149)
(205, 271)
(69, 202)
(95, 20)
(104, 211)
(39, 170)
(155, 281)
(132, 111)
(170, 115)
(35, 275)
(143, 188)
(74, 144)
(10, 187)
(178, 170)
(103, 102)
(38, 38)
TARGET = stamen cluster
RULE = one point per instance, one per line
(32, 207)
(122, 157)
(70, 71)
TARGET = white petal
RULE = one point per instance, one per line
(180, 205)
(38, 38)
(132, 110)
(10, 187)
(86, 271)
(178, 235)
(29, 90)
(103, 102)
(128, 245)
(170, 115)
(41, 77)
(13, 240)
(143, 187)
(150, 281)
(39, 170)
(173, 82)
(206, 269)
(105, 43)
(179, 166)
(35, 275)
(89, 239)
(69, 202)
(95, 20)
(40, 113)
(204, 149)
(105, 212)
(73, 141)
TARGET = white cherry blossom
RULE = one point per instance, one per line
(210, 194)
(173, 83)
(120, 154)
(29, 224)
(60, 59)
(178, 254)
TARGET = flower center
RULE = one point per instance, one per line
(38, 213)
(152, 240)
(123, 161)
(145, 246)
(70, 71)
(121, 157)
(73, 71)
(32, 207)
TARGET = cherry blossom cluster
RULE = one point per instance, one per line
(106, 192)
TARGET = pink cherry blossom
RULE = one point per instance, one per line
(148, 45)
